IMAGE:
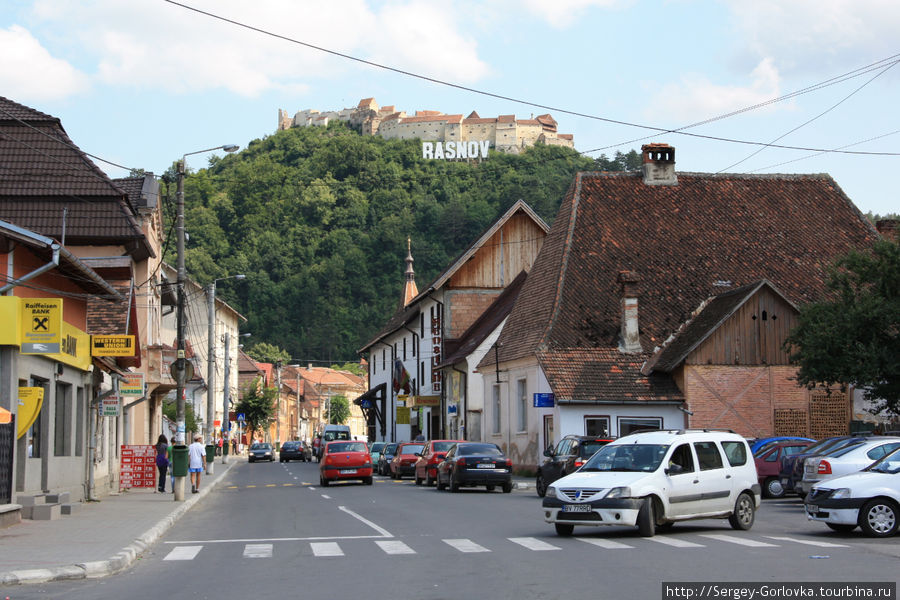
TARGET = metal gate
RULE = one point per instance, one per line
(7, 440)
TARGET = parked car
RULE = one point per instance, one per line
(375, 450)
(261, 451)
(404, 461)
(384, 459)
(869, 499)
(469, 464)
(765, 443)
(792, 466)
(293, 450)
(570, 453)
(801, 487)
(849, 459)
(345, 460)
(429, 458)
(768, 465)
(653, 479)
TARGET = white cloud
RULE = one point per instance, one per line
(29, 73)
(563, 13)
(695, 97)
(147, 44)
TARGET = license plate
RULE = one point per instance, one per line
(348, 471)
(812, 509)
(785, 481)
(576, 508)
(485, 465)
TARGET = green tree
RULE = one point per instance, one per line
(351, 367)
(338, 410)
(269, 353)
(853, 338)
(257, 404)
(190, 421)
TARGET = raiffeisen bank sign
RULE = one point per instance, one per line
(453, 150)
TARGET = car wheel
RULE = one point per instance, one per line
(841, 527)
(454, 484)
(507, 487)
(646, 519)
(368, 481)
(490, 488)
(418, 480)
(325, 482)
(878, 518)
(540, 486)
(564, 529)
(744, 512)
(665, 526)
(440, 486)
(773, 488)
(428, 480)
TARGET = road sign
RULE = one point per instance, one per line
(109, 406)
(41, 326)
(544, 400)
(132, 384)
(112, 345)
(241, 417)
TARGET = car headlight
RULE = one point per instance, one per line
(619, 492)
(551, 492)
(840, 493)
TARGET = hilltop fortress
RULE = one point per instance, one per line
(504, 133)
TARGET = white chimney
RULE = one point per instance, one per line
(658, 164)
(631, 339)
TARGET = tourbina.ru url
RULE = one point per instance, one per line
(779, 591)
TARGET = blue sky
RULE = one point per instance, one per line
(142, 82)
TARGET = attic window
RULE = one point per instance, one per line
(722, 283)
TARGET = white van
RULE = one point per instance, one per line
(335, 432)
(653, 479)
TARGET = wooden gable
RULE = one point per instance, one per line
(752, 335)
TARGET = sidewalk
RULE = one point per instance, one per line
(99, 539)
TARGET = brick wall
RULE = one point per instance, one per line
(465, 308)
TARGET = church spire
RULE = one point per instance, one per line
(410, 290)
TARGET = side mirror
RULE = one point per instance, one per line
(549, 451)
(674, 469)
(418, 454)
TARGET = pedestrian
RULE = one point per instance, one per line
(170, 452)
(219, 447)
(234, 445)
(420, 437)
(162, 461)
(197, 464)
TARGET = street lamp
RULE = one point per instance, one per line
(180, 367)
(211, 366)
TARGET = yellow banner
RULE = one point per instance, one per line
(30, 401)
(417, 401)
(402, 416)
(10, 316)
(75, 348)
(41, 325)
(112, 345)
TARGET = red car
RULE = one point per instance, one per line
(404, 461)
(768, 466)
(345, 460)
(426, 466)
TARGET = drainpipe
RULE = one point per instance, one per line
(390, 386)
(462, 410)
(53, 263)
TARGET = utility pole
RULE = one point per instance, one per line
(211, 371)
(179, 358)
(226, 388)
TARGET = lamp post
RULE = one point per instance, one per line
(211, 367)
(180, 367)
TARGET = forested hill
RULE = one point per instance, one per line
(317, 219)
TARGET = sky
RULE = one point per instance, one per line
(143, 82)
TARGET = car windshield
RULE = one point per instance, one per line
(627, 457)
(889, 463)
(377, 446)
(443, 446)
(589, 447)
(330, 436)
(347, 447)
(824, 445)
(389, 449)
(482, 449)
(290, 445)
(259, 446)
(413, 448)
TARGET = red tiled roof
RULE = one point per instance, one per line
(680, 239)
(432, 118)
(506, 119)
(565, 136)
(534, 122)
(479, 121)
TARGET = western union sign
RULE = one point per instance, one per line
(112, 345)
(41, 320)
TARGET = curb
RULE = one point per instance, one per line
(119, 561)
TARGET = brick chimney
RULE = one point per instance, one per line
(658, 164)
(631, 340)
(888, 228)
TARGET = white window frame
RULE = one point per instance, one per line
(495, 406)
(657, 420)
(522, 397)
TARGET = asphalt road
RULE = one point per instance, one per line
(270, 531)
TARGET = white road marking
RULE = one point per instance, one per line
(808, 542)
(326, 549)
(739, 541)
(670, 541)
(183, 553)
(384, 532)
(464, 545)
(394, 547)
(533, 543)
(315, 538)
(326, 496)
(258, 551)
(609, 544)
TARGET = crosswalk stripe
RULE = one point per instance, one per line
(326, 549)
(670, 541)
(394, 547)
(808, 542)
(183, 553)
(464, 545)
(608, 544)
(258, 551)
(533, 543)
(739, 541)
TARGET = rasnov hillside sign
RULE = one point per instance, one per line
(447, 150)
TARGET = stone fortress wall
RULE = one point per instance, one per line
(505, 132)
